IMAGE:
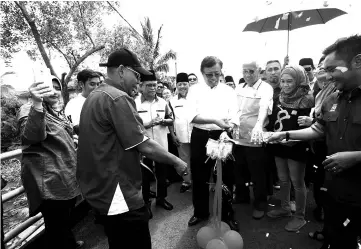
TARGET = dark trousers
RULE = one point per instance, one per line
(338, 234)
(56, 213)
(201, 171)
(147, 176)
(253, 159)
(128, 230)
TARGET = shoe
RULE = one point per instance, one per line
(257, 214)
(295, 224)
(152, 194)
(195, 220)
(184, 187)
(278, 213)
(79, 244)
(164, 204)
(233, 225)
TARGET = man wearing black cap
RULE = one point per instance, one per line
(112, 136)
(156, 116)
(181, 130)
(230, 81)
(307, 64)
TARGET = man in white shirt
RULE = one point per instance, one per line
(88, 80)
(156, 116)
(255, 102)
(211, 106)
(181, 130)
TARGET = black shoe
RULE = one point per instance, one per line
(79, 244)
(164, 204)
(152, 194)
(195, 220)
(233, 225)
(184, 187)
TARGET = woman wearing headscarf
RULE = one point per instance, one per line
(294, 101)
(48, 164)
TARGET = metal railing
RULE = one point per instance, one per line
(28, 222)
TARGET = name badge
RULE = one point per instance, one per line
(294, 112)
(333, 108)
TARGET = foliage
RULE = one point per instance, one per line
(10, 171)
(9, 133)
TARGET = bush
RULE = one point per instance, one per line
(10, 138)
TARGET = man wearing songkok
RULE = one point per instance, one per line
(230, 81)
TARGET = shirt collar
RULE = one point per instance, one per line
(256, 85)
(142, 98)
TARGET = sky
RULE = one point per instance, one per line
(198, 28)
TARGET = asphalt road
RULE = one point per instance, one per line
(169, 229)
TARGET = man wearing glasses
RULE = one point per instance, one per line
(255, 103)
(160, 89)
(112, 136)
(307, 64)
(212, 107)
(192, 78)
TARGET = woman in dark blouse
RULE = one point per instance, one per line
(48, 164)
(294, 101)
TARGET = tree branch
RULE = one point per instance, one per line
(36, 35)
(60, 51)
(75, 59)
(85, 29)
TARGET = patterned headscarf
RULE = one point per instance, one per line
(293, 99)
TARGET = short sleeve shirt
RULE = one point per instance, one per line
(73, 109)
(109, 172)
(340, 121)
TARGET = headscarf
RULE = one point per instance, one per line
(298, 98)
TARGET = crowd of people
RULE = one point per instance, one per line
(291, 125)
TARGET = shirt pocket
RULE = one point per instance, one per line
(330, 117)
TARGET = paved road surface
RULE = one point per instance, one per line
(169, 229)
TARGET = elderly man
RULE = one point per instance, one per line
(255, 102)
(112, 136)
(193, 79)
(211, 107)
(156, 116)
(340, 123)
(181, 130)
(88, 80)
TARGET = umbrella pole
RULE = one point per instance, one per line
(288, 33)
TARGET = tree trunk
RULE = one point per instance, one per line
(36, 35)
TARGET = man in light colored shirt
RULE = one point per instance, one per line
(211, 107)
(181, 130)
(307, 64)
(230, 81)
(255, 101)
(88, 81)
(156, 116)
(192, 79)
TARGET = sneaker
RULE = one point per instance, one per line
(257, 214)
(295, 224)
(293, 206)
(278, 213)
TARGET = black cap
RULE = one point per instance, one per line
(150, 77)
(306, 61)
(229, 78)
(126, 58)
(182, 77)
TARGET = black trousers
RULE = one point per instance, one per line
(56, 213)
(128, 230)
(147, 177)
(254, 160)
(201, 171)
(338, 234)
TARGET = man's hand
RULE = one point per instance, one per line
(38, 91)
(257, 134)
(222, 124)
(175, 140)
(275, 137)
(304, 121)
(341, 161)
(180, 166)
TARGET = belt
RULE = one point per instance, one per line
(209, 132)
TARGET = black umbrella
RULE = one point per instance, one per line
(294, 20)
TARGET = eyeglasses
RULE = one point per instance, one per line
(192, 79)
(137, 75)
(328, 71)
(210, 75)
(249, 72)
(308, 69)
(160, 87)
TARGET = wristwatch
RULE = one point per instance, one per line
(287, 136)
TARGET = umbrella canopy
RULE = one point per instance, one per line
(294, 20)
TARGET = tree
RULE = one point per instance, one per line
(65, 27)
(151, 49)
